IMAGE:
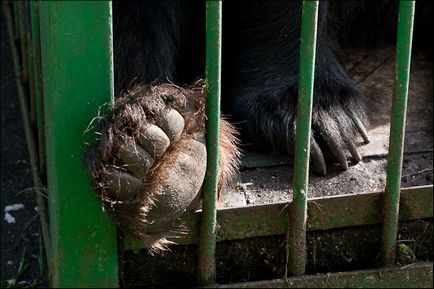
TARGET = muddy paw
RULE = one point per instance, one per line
(150, 160)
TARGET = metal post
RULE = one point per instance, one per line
(397, 130)
(40, 145)
(77, 75)
(207, 241)
(39, 96)
(23, 41)
(29, 58)
(296, 259)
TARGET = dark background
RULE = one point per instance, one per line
(21, 256)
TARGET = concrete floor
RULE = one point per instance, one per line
(265, 180)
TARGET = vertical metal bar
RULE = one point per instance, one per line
(77, 72)
(28, 132)
(207, 241)
(36, 42)
(23, 42)
(296, 259)
(397, 130)
(15, 18)
(30, 63)
(37, 76)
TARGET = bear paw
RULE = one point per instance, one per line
(150, 160)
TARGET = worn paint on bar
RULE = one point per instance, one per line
(296, 259)
(417, 275)
(208, 230)
(397, 130)
(324, 214)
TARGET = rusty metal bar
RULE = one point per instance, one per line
(417, 275)
(397, 130)
(207, 242)
(296, 238)
(324, 214)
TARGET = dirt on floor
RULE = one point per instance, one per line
(267, 179)
(264, 258)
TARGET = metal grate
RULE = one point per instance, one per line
(66, 65)
(298, 209)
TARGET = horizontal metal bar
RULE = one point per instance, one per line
(416, 275)
(324, 213)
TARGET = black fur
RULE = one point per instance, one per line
(164, 42)
(157, 41)
(265, 88)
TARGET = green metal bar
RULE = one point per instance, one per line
(37, 79)
(397, 130)
(417, 275)
(325, 213)
(296, 247)
(207, 241)
(39, 96)
(77, 72)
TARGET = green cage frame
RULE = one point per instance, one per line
(64, 68)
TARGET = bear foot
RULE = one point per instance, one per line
(150, 160)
